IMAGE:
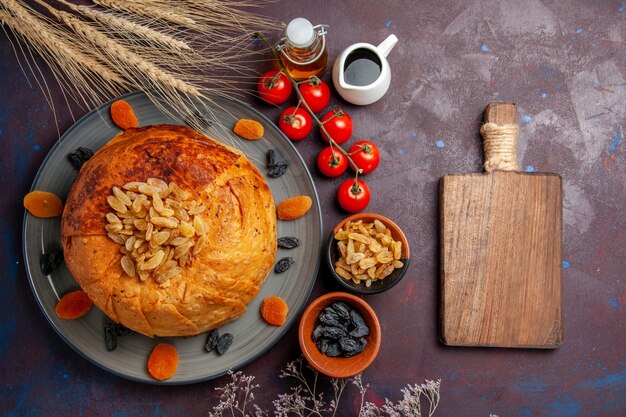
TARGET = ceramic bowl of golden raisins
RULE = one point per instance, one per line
(368, 253)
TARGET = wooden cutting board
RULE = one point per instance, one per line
(501, 251)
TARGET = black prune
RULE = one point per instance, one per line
(333, 332)
(223, 343)
(362, 344)
(273, 157)
(113, 331)
(333, 350)
(121, 330)
(360, 331)
(342, 309)
(322, 345)
(360, 327)
(197, 120)
(211, 340)
(50, 261)
(270, 158)
(79, 156)
(347, 344)
(278, 169)
(318, 333)
(351, 347)
(341, 331)
(331, 319)
(283, 264)
(276, 164)
(110, 336)
(288, 242)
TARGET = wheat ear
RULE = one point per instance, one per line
(146, 9)
(128, 26)
(121, 54)
(96, 79)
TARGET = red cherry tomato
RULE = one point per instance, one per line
(274, 87)
(338, 124)
(353, 195)
(332, 162)
(316, 94)
(366, 155)
(295, 123)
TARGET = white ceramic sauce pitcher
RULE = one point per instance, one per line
(361, 73)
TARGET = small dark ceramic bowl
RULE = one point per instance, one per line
(332, 255)
(338, 367)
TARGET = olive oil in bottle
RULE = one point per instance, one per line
(303, 49)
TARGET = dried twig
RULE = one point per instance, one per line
(305, 398)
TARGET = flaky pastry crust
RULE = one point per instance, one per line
(225, 275)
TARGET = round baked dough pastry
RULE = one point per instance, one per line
(224, 276)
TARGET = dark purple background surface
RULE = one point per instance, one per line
(561, 62)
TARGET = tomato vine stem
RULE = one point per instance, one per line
(294, 83)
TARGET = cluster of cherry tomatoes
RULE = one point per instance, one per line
(296, 123)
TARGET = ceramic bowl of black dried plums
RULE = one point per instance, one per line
(339, 334)
(367, 253)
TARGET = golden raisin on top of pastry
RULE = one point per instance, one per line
(158, 226)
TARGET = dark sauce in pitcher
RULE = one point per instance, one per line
(362, 67)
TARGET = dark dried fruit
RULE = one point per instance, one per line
(348, 344)
(110, 336)
(362, 344)
(340, 331)
(121, 330)
(330, 318)
(329, 332)
(278, 169)
(271, 158)
(283, 265)
(322, 344)
(112, 331)
(351, 347)
(211, 340)
(288, 242)
(276, 164)
(50, 261)
(223, 343)
(79, 156)
(360, 327)
(360, 331)
(333, 350)
(318, 333)
(197, 120)
(342, 309)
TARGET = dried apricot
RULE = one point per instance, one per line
(294, 207)
(123, 115)
(163, 361)
(43, 204)
(274, 310)
(249, 129)
(73, 305)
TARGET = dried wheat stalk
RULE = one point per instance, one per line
(84, 69)
(122, 24)
(149, 9)
(180, 52)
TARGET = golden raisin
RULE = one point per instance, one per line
(294, 207)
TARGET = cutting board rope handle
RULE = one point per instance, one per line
(499, 134)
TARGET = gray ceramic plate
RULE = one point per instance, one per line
(252, 336)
